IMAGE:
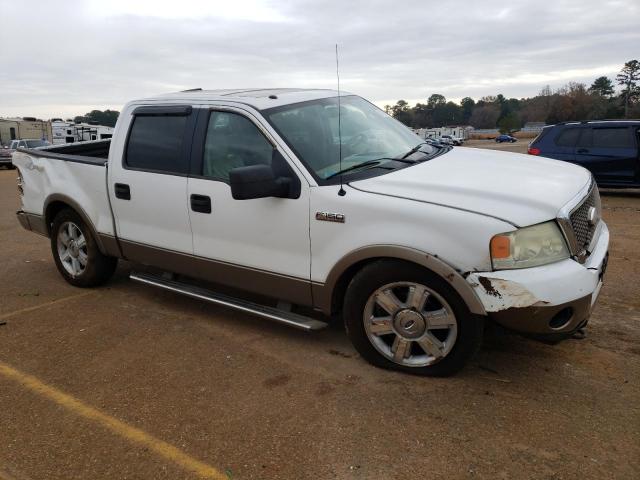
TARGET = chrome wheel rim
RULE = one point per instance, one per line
(410, 324)
(72, 249)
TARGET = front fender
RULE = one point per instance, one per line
(323, 293)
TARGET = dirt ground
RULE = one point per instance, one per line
(518, 147)
(129, 382)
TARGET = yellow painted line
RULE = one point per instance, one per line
(132, 434)
(46, 304)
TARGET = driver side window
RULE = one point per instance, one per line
(233, 141)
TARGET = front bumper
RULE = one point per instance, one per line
(551, 299)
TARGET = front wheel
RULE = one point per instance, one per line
(76, 252)
(403, 317)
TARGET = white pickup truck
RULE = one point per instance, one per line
(292, 200)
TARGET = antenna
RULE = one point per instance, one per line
(342, 191)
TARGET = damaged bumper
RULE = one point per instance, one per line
(32, 222)
(551, 299)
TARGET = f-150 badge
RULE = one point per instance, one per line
(330, 217)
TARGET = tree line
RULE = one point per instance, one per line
(107, 117)
(574, 101)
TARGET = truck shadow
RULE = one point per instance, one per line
(503, 356)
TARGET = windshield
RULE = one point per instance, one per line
(36, 143)
(311, 130)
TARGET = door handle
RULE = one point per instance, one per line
(123, 191)
(201, 203)
(582, 150)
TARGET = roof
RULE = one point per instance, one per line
(612, 122)
(259, 98)
(20, 120)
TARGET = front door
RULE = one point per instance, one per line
(259, 245)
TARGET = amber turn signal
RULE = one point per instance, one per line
(500, 247)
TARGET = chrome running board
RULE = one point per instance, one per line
(287, 318)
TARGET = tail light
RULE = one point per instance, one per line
(20, 183)
(533, 151)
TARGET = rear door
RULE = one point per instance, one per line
(564, 144)
(148, 181)
(610, 153)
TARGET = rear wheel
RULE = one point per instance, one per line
(76, 252)
(403, 317)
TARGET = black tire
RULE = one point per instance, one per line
(470, 327)
(99, 268)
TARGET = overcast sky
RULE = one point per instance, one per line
(66, 57)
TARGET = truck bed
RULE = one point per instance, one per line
(72, 174)
(94, 152)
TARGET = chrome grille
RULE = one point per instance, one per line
(582, 229)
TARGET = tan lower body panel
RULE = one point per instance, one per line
(281, 287)
(32, 222)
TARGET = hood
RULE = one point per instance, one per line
(522, 189)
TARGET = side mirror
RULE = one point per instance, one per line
(257, 181)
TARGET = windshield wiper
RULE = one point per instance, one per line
(368, 163)
(413, 150)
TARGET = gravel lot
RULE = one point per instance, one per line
(518, 147)
(130, 382)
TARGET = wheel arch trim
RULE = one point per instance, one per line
(107, 244)
(324, 293)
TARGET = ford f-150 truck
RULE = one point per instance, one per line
(278, 202)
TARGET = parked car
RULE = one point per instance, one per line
(505, 138)
(609, 149)
(5, 156)
(453, 140)
(435, 142)
(28, 143)
(412, 246)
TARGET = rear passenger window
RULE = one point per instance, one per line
(612, 138)
(155, 143)
(568, 138)
(233, 141)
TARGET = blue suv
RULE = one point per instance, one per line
(609, 149)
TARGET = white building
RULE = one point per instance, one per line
(63, 132)
(457, 131)
(533, 127)
(70, 132)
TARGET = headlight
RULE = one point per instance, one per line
(528, 247)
